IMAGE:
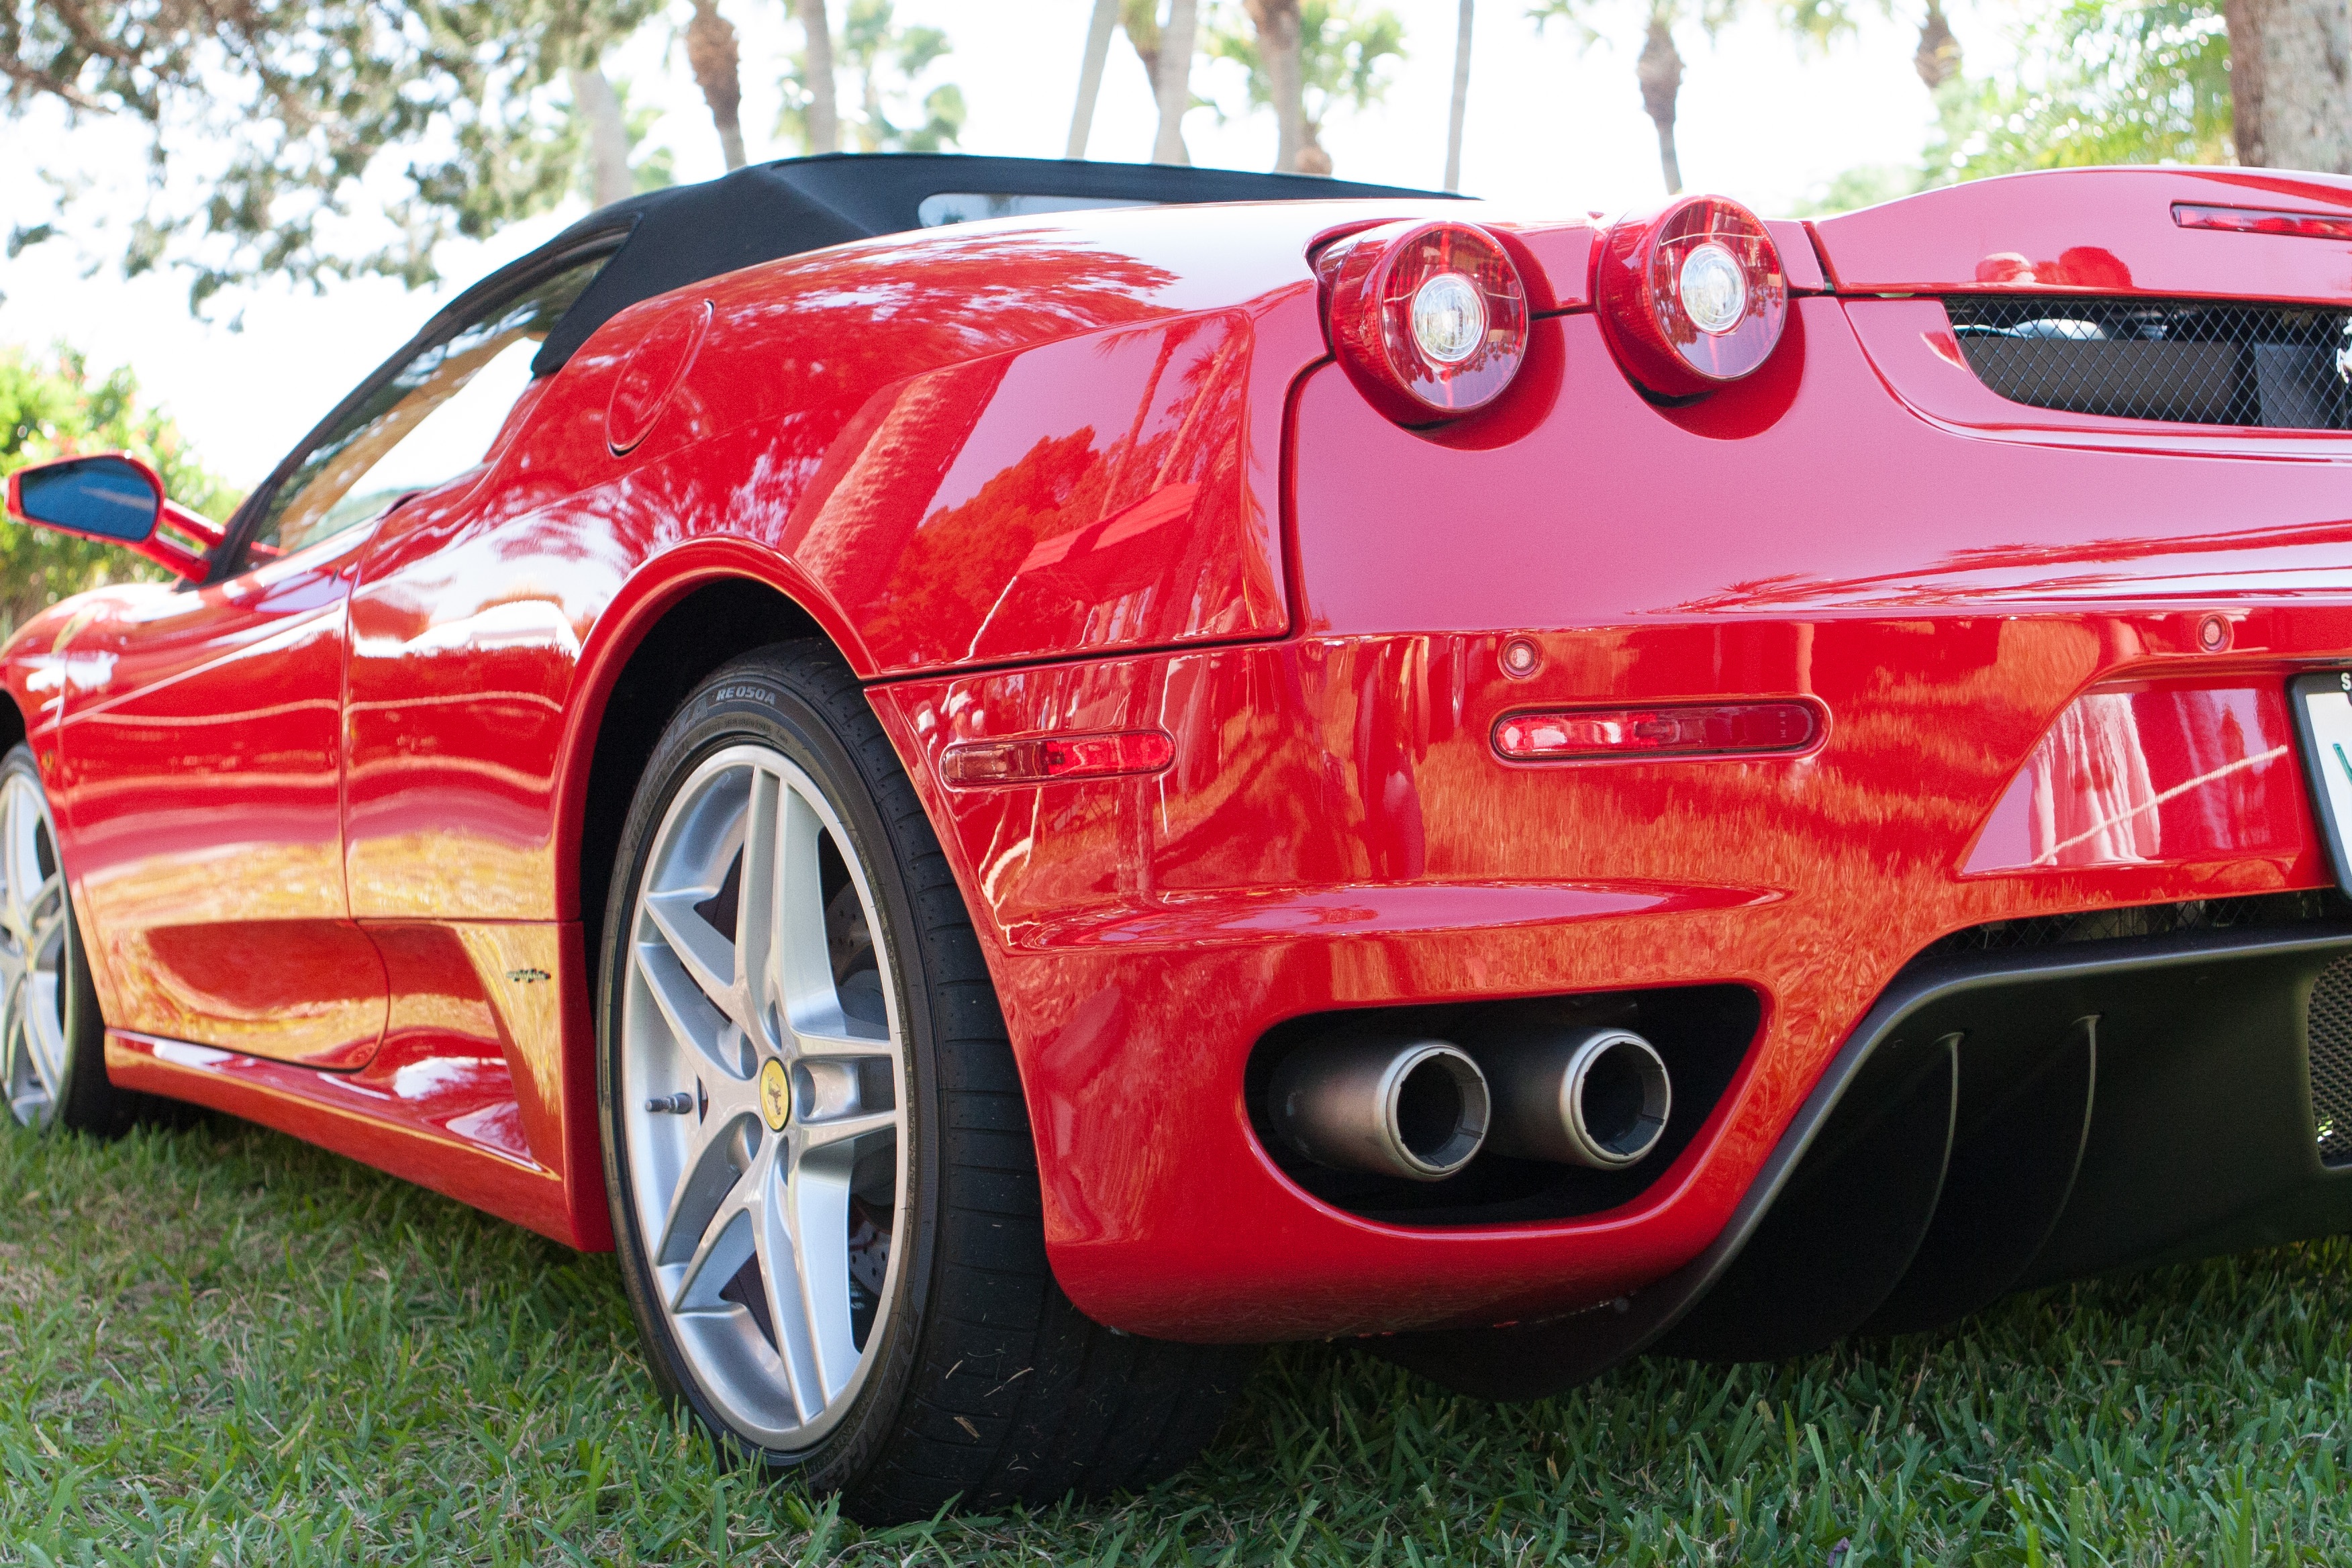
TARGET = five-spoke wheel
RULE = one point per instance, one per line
(32, 952)
(52, 1042)
(825, 1188)
(761, 1077)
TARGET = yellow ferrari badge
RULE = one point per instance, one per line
(775, 1094)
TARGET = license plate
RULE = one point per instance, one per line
(2322, 712)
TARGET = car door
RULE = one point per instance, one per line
(202, 748)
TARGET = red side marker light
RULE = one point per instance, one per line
(1039, 759)
(1429, 320)
(1692, 295)
(1725, 729)
(2259, 220)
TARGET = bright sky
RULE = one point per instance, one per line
(1548, 125)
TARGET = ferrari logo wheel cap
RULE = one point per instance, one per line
(775, 1094)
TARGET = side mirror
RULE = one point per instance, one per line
(116, 498)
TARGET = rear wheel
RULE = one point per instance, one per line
(825, 1192)
(52, 1040)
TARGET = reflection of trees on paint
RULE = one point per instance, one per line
(858, 316)
(960, 559)
(954, 529)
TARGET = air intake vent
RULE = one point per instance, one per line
(2331, 1062)
(2281, 367)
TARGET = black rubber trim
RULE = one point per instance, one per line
(1535, 1361)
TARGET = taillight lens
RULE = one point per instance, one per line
(1430, 319)
(1040, 759)
(2256, 220)
(1691, 296)
(1717, 729)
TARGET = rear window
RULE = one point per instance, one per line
(971, 206)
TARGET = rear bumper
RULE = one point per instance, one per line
(1336, 833)
(1998, 1121)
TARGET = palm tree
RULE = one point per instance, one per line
(1659, 66)
(1090, 74)
(712, 53)
(819, 109)
(885, 60)
(599, 108)
(1342, 53)
(1174, 81)
(1936, 59)
(1461, 98)
(1277, 23)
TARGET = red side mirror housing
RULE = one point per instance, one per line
(116, 498)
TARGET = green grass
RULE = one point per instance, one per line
(218, 1346)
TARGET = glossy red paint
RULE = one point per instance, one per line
(202, 791)
(2146, 775)
(471, 1094)
(2092, 231)
(1133, 494)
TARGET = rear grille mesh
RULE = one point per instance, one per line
(2251, 911)
(2331, 1062)
(2281, 367)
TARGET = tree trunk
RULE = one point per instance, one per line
(1141, 20)
(822, 115)
(2291, 84)
(1090, 74)
(599, 109)
(1175, 82)
(1277, 25)
(712, 55)
(1312, 159)
(1937, 60)
(1660, 71)
(1460, 98)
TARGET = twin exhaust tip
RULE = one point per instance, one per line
(1422, 1108)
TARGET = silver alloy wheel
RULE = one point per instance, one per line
(32, 953)
(764, 1077)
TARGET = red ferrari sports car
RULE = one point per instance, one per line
(1010, 777)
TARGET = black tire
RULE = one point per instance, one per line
(987, 1384)
(80, 1098)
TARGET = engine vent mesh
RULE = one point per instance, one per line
(2283, 367)
(2331, 1062)
(2258, 910)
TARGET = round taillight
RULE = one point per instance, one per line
(1430, 319)
(1692, 295)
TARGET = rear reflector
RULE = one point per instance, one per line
(2258, 220)
(1710, 729)
(1041, 758)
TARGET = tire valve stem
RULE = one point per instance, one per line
(677, 1104)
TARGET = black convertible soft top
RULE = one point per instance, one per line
(666, 239)
(688, 233)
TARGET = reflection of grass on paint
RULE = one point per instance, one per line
(218, 1346)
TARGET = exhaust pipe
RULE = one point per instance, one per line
(1411, 1107)
(1584, 1097)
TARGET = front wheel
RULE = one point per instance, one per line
(52, 1040)
(823, 1188)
